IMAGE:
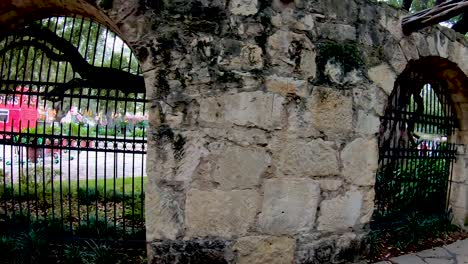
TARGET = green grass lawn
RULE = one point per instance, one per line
(110, 188)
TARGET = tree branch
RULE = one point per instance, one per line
(36, 44)
(91, 76)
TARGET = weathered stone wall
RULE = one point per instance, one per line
(265, 118)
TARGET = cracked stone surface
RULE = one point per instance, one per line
(456, 253)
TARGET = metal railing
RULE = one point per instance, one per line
(73, 136)
(415, 163)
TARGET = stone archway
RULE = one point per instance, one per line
(395, 137)
(264, 118)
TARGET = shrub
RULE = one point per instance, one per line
(89, 196)
(101, 253)
(74, 254)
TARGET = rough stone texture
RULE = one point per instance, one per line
(252, 57)
(220, 213)
(289, 205)
(254, 109)
(286, 86)
(243, 103)
(290, 53)
(383, 76)
(315, 158)
(263, 110)
(243, 7)
(264, 249)
(166, 205)
(240, 168)
(341, 212)
(191, 251)
(360, 169)
(367, 123)
(330, 185)
(332, 111)
(331, 249)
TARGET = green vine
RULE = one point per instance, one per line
(345, 54)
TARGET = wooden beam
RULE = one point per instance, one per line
(432, 16)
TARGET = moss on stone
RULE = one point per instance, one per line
(347, 54)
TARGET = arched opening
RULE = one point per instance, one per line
(418, 141)
(73, 129)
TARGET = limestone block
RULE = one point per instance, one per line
(240, 168)
(332, 111)
(458, 53)
(251, 57)
(432, 45)
(395, 56)
(338, 32)
(300, 122)
(409, 48)
(330, 185)
(422, 45)
(340, 212)
(229, 57)
(367, 123)
(211, 110)
(193, 152)
(264, 249)
(289, 205)
(392, 24)
(291, 52)
(242, 136)
(383, 76)
(360, 161)
(163, 212)
(314, 158)
(370, 98)
(442, 44)
(220, 213)
(459, 170)
(459, 195)
(244, 7)
(367, 206)
(287, 86)
(259, 109)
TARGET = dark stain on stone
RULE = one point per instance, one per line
(178, 145)
(191, 252)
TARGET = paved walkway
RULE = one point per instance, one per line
(456, 253)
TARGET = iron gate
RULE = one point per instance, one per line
(415, 155)
(72, 129)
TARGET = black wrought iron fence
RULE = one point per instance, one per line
(415, 157)
(73, 129)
